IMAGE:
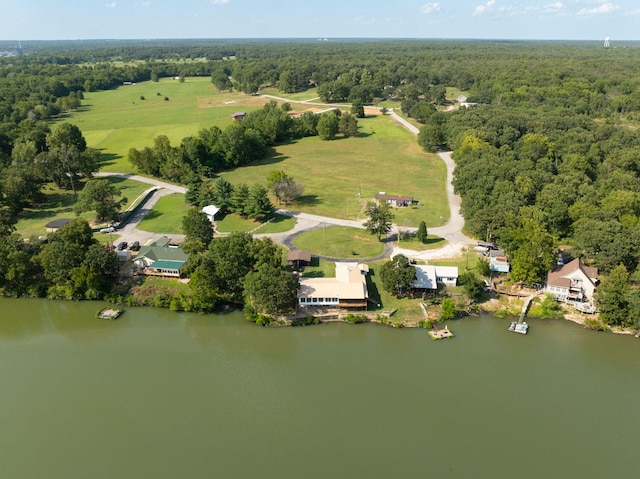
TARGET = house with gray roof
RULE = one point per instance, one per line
(160, 258)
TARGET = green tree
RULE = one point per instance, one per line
(239, 199)
(448, 309)
(196, 227)
(380, 218)
(102, 197)
(348, 125)
(421, 234)
(258, 205)
(271, 291)
(68, 157)
(328, 126)
(397, 275)
(222, 195)
(97, 274)
(357, 108)
(531, 246)
(18, 271)
(473, 286)
(612, 297)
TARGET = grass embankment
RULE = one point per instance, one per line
(233, 222)
(59, 204)
(340, 176)
(166, 215)
(340, 242)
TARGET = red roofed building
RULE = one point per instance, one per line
(573, 282)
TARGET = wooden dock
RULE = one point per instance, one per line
(436, 334)
(109, 313)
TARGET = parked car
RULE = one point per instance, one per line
(135, 246)
(110, 229)
(122, 245)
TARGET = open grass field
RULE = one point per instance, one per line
(340, 242)
(235, 223)
(340, 176)
(166, 216)
(59, 204)
(115, 120)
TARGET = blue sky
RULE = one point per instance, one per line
(482, 19)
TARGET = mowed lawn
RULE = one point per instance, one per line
(59, 204)
(114, 121)
(166, 215)
(340, 242)
(340, 176)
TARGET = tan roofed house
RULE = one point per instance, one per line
(347, 290)
(573, 282)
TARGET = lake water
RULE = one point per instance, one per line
(158, 394)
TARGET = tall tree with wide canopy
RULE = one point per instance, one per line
(397, 275)
(380, 219)
(103, 198)
(68, 158)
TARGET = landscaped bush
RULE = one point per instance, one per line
(355, 319)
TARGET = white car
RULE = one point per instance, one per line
(110, 229)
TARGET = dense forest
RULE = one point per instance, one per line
(547, 148)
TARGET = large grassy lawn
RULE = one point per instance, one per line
(166, 216)
(115, 120)
(340, 176)
(59, 204)
(340, 242)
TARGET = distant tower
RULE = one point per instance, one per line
(607, 44)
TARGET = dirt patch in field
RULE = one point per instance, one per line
(214, 102)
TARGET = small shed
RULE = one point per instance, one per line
(211, 211)
(298, 258)
(55, 225)
(239, 115)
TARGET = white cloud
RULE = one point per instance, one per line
(219, 2)
(430, 8)
(146, 3)
(553, 7)
(110, 5)
(480, 9)
(600, 10)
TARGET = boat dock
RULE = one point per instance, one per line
(435, 333)
(521, 326)
(109, 313)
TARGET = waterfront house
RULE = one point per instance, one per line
(498, 261)
(160, 258)
(428, 277)
(347, 290)
(572, 282)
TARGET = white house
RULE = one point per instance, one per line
(347, 290)
(429, 276)
(572, 282)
